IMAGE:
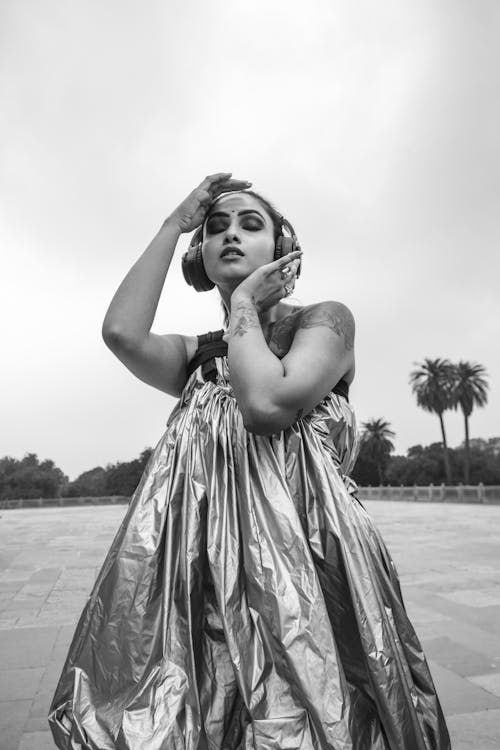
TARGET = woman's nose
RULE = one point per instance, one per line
(231, 234)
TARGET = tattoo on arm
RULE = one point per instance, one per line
(282, 335)
(339, 319)
(246, 317)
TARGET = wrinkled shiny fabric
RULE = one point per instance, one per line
(247, 601)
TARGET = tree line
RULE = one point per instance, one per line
(424, 465)
(438, 385)
(31, 478)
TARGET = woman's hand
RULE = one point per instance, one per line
(191, 212)
(269, 283)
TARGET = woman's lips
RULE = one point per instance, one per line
(231, 252)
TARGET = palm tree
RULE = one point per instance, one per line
(377, 443)
(432, 384)
(470, 390)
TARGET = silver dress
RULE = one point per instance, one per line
(248, 600)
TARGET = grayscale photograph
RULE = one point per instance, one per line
(250, 398)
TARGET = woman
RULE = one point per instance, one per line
(247, 600)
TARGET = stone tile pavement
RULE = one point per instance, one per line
(447, 556)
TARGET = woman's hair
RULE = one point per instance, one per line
(273, 214)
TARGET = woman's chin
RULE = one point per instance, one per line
(231, 277)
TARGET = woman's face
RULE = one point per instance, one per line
(238, 237)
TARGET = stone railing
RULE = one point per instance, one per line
(439, 493)
(47, 502)
(435, 493)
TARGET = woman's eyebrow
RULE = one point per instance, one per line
(250, 211)
(240, 213)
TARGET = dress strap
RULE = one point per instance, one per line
(210, 345)
(342, 389)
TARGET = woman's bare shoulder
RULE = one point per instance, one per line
(294, 317)
(336, 315)
(326, 306)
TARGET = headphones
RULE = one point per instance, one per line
(193, 267)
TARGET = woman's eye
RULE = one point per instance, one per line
(253, 225)
(216, 226)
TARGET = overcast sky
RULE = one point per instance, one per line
(373, 126)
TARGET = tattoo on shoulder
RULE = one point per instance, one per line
(337, 317)
(246, 318)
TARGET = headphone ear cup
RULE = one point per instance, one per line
(285, 245)
(186, 270)
(278, 248)
(193, 267)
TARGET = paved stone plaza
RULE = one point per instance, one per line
(447, 557)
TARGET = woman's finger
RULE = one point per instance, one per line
(211, 178)
(229, 186)
(285, 260)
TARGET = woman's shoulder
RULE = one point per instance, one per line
(332, 313)
(339, 318)
(336, 316)
(326, 306)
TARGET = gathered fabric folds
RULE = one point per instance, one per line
(247, 602)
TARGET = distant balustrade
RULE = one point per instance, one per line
(435, 493)
(50, 502)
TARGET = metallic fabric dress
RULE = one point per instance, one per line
(247, 601)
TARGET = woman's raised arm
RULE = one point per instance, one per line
(132, 310)
(126, 329)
